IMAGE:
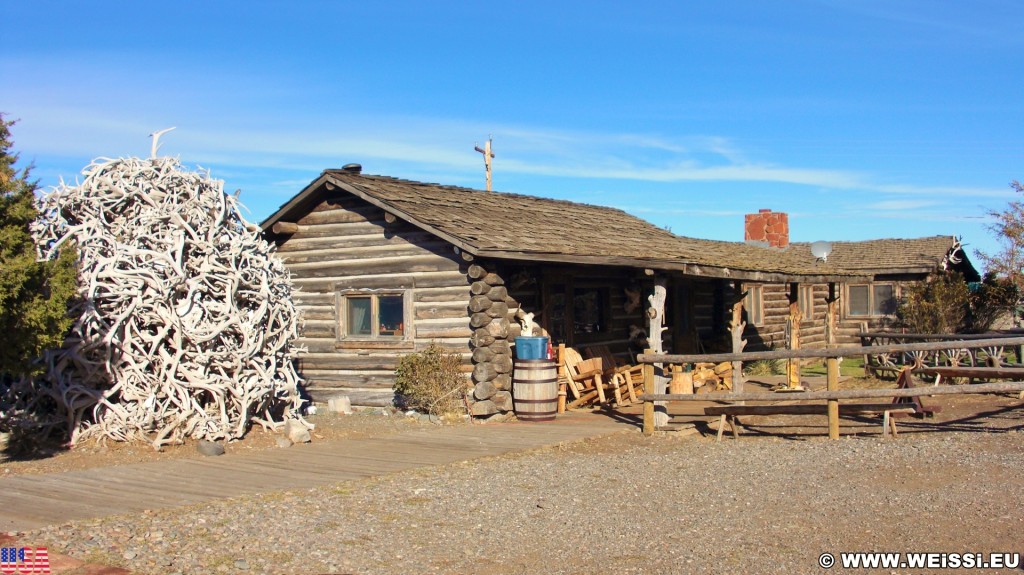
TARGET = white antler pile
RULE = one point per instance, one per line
(185, 319)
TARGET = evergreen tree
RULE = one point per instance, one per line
(33, 295)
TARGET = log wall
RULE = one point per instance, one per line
(772, 335)
(345, 243)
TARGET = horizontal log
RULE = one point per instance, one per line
(441, 312)
(484, 372)
(493, 279)
(497, 293)
(441, 295)
(484, 390)
(502, 363)
(285, 228)
(380, 265)
(341, 228)
(443, 332)
(482, 354)
(482, 338)
(338, 251)
(499, 309)
(479, 288)
(344, 362)
(932, 336)
(502, 381)
(834, 352)
(342, 216)
(841, 393)
(318, 313)
(498, 327)
(806, 409)
(476, 271)
(479, 303)
(479, 320)
(318, 332)
(1016, 373)
(371, 398)
(315, 237)
(424, 279)
(362, 382)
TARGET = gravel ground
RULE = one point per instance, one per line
(619, 504)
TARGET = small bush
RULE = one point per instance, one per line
(938, 305)
(430, 381)
(764, 367)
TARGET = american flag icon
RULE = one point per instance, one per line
(24, 560)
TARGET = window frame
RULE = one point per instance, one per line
(805, 299)
(753, 304)
(375, 338)
(873, 304)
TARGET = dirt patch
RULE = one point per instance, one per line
(54, 458)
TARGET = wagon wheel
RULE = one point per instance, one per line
(958, 358)
(885, 360)
(915, 359)
(993, 356)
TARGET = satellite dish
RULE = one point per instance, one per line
(821, 250)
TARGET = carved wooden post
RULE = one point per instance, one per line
(832, 363)
(736, 327)
(656, 315)
(793, 367)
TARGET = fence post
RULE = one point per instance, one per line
(832, 365)
(648, 371)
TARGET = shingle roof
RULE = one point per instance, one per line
(513, 226)
(894, 256)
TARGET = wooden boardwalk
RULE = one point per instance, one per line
(32, 501)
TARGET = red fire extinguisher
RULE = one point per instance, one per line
(551, 350)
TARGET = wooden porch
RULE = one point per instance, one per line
(33, 501)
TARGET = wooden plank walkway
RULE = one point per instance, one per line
(32, 501)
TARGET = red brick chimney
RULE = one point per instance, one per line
(767, 226)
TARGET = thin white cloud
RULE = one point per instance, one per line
(443, 146)
(900, 205)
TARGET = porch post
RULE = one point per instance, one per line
(656, 315)
(793, 322)
(832, 363)
(736, 327)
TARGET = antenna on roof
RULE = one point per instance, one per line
(486, 151)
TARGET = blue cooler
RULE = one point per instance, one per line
(531, 347)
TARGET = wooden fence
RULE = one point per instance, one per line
(654, 377)
(959, 356)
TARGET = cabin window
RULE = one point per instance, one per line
(753, 303)
(871, 300)
(373, 315)
(805, 297)
(590, 308)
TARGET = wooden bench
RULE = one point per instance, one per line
(728, 413)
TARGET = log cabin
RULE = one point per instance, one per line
(385, 266)
(890, 265)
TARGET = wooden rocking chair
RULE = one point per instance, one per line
(625, 380)
(599, 378)
(585, 378)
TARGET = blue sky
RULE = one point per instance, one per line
(862, 119)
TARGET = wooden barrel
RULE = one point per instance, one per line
(535, 389)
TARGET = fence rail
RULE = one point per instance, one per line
(959, 356)
(833, 394)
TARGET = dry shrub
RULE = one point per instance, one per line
(431, 381)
